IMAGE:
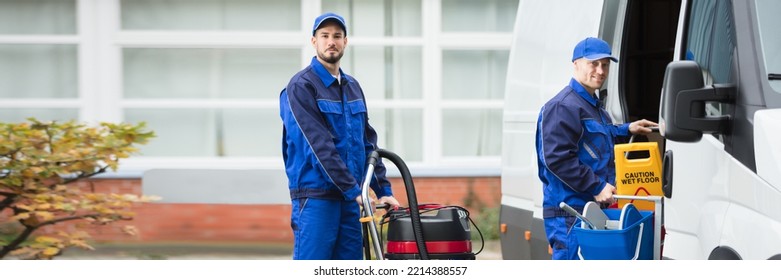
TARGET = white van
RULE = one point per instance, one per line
(709, 71)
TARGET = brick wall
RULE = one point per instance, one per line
(166, 222)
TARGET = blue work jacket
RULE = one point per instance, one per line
(326, 136)
(575, 138)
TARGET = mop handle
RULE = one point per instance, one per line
(569, 209)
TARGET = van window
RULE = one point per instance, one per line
(711, 43)
(770, 39)
(711, 39)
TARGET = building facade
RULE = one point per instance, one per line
(205, 75)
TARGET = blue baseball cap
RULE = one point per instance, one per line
(592, 49)
(329, 16)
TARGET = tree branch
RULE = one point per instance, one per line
(85, 175)
(9, 198)
(64, 219)
(15, 243)
(28, 230)
(50, 136)
(64, 162)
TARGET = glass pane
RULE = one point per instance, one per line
(711, 43)
(770, 38)
(255, 15)
(208, 73)
(252, 133)
(386, 72)
(38, 71)
(180, 132)
(478, 16)
(376, 18)
(210, 132)
(711, 40)
(15, 115)
(472, 132)
(468, 74)
(38, 17)
(399, 131)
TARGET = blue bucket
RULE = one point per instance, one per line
(617, 244)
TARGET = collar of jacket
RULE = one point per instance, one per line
(582, 92)
(324, 75)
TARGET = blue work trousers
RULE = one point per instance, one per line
(561, 238)
(326, 229)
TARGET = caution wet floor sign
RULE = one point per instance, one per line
(638, 172)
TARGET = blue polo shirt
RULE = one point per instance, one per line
(326, 136)
(574, 139)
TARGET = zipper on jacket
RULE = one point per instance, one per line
(348, 135)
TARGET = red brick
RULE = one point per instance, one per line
(162, 222)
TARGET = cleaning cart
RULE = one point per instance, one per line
(621, 234)
(634, 230)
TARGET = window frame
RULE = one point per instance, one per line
(101, 40)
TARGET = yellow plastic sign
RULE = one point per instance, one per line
(638, 176)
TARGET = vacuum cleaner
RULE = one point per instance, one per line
(417, 232)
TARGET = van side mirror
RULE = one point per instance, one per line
(682, 108)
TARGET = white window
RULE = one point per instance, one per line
(468, 74)
(229, 91)
(253, 15)
(478, 16)
(206, 75)
(377, 18)
(476, 78)
(208, 102)
(391, 80)
(472, 132)
(39, 53)
(31, 71)
(44, 17)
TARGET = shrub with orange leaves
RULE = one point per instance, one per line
(38, 163)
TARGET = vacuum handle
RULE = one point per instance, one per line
(368, 214)
(384, 206)
(412, 198)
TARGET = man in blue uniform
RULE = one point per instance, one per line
(575, 138)
(326, 141)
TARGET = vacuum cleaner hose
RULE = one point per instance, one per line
(417, 225)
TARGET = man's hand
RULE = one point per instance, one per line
(641, 126)
(390, 201)
(360, 200)
(385, 199)
(606, 195)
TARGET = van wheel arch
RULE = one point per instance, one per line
(724, 253)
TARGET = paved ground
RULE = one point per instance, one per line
(190, 251)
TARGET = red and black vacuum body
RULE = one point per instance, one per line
(429, 231)
(446, 233)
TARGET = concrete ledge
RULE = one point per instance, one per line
(217, 186)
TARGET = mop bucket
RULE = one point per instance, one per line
(638, 176)
(633, 242)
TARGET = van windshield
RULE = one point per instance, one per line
(770, 39)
